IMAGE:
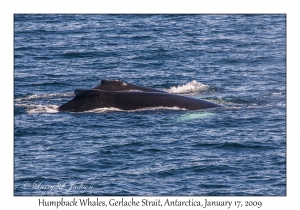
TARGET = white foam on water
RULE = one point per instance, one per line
(37, 109)
(27, 97)
(34, 96)
(191, 87)
(104, 110)
(32, 107)
(279, 93)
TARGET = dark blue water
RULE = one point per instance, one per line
(238, 61)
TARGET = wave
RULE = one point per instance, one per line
(29, 102)
(240, 146)
(34, 96)
(37, 109)
(191, 87)
(277, 93)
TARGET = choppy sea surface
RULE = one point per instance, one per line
(238, 61)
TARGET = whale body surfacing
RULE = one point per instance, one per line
(126, 96)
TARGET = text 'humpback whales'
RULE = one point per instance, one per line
(126, 96)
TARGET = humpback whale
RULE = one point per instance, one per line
(126, 96)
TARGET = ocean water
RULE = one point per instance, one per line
(238, 61)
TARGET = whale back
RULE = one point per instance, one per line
(125, 96)
(116, 85)
(125, 100)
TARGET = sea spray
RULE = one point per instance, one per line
(191, 87)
